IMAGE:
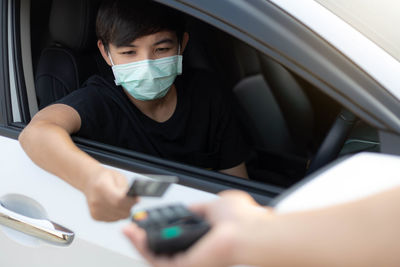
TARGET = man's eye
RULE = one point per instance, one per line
(163, 49)
(128, 52)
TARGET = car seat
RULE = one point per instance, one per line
(72, 55)
(293, 128)
(280, 141)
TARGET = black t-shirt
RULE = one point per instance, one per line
(202, 130)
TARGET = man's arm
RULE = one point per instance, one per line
(239, 171)
(47, 142)
(360, 233)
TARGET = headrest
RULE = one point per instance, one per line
(72, 23)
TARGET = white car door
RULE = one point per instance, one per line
(28, 190)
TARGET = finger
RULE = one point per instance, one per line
(116, 210)
(120, 180)
(126, 202)
(234, 194)
(238, 195)
(203, 253)
(201, 208)
(107, 217)
(138, 238)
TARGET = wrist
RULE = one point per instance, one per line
(254, 236)
(90, 176)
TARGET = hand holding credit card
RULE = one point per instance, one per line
(155, 186)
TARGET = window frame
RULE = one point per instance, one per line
(5, 103)
(20, 85)
(195, 177)
(8, 127)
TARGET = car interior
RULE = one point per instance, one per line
(292, 128)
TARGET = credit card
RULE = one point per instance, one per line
(152, 187)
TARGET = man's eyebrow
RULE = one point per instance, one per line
(127, 45)
(166, 40)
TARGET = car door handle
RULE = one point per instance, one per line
(43, 229)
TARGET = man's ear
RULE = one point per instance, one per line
(185, 40)
(103, 52)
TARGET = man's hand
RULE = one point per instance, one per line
(235, 218)
(106, 196)
(48, 143)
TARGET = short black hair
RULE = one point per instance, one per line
(120, 22)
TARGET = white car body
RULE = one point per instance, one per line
(25, 185)
(383, 67)
(99, 243)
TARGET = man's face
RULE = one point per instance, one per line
(153, 46)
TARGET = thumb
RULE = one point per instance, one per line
(238, 196)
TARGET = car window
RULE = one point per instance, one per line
(283, 119)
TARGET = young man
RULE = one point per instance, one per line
(142, 108)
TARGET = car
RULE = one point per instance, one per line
(315, 87)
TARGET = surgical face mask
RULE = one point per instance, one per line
(148, 79)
